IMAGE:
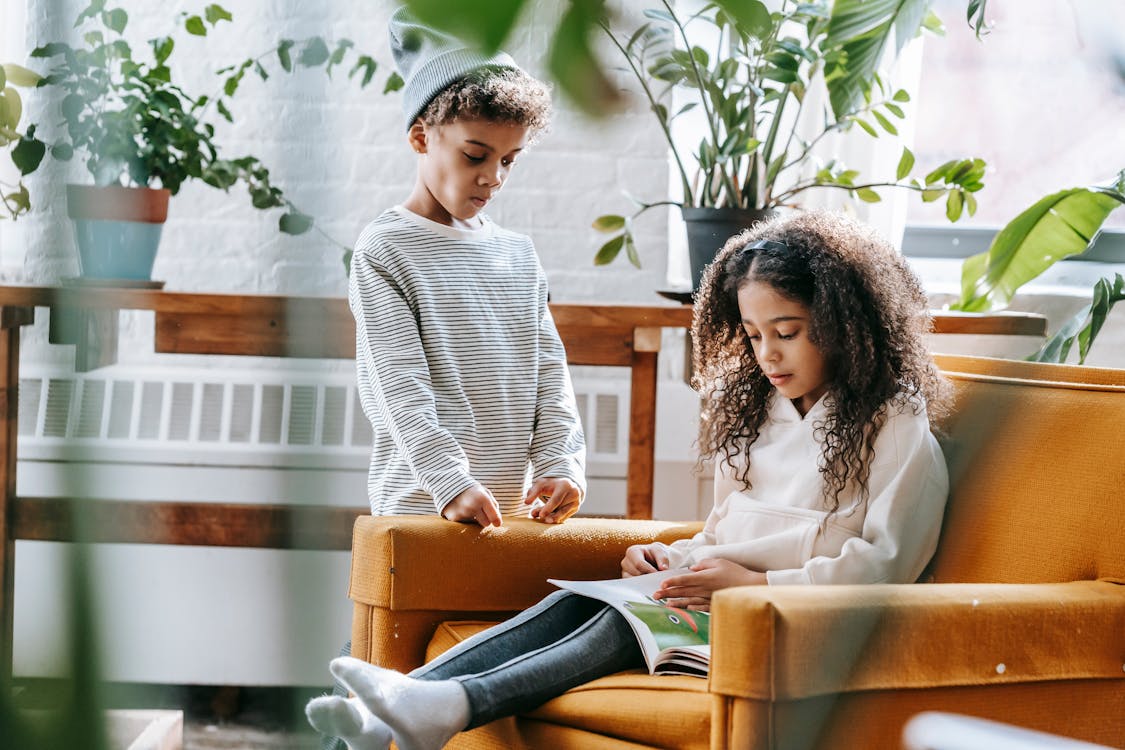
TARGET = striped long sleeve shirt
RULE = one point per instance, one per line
(460, 368)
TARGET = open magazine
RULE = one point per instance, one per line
(674, 641)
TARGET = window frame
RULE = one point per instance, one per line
(931, 241)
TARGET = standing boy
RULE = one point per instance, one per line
(460, 368)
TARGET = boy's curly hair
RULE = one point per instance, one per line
(496, 94)
(867, 315)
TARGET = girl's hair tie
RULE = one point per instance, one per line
(775, 245)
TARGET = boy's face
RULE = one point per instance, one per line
(462, 166)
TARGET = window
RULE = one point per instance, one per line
(1041, 98)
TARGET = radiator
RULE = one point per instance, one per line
(192, 615)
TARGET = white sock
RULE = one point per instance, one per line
(422, 714)
(348, 719)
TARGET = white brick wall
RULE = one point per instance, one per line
(339, 153)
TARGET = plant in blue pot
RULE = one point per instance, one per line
(141, 136)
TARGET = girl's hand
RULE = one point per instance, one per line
(693, 590)
(561, 498)
(474, 505)
(644, 558)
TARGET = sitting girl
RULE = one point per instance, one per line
(818, 392)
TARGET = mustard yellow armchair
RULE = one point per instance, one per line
(1021, 617)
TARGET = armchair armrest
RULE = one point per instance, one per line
(793, 642)
(410, 573)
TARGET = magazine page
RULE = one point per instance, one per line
(673, 640)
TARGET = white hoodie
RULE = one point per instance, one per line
(779, 524)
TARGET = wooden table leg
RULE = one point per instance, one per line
(10, 321)
(642, 423)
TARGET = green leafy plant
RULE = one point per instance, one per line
(752, 87)
(1055, 227)
(131, 124)
(16, 199)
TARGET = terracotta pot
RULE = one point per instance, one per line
(708, 229)
(117, 229)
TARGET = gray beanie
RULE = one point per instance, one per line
(429, 61)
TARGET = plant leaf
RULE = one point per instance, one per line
(750, 16)
(28, 153)
(608, 252)
(572, 62)
(215, 13)
(194, 25)
(17, 75)
(394, 83)
(315, 52)
(485, 25)
(283, 57)
(905, 163)
(882, 120)
(631, 250)
(953, 205)
(1056, 348)
(294, 222)
(1055, 227)
(1106, 295)
(609, 223)
(116, 19)
(860, 32)
(867, 127)
(867, 195)
(162, 47)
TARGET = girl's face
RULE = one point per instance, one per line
(462, 166)
(778, 328)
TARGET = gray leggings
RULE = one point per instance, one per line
(562, 642)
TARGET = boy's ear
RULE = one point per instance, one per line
(416, 137)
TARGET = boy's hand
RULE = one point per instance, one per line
(474, 505)
(644, 558)
(561, 498)
(693, 590)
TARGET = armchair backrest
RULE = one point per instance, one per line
(1037, 473)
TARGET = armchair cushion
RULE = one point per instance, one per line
(794, 642)
(664, 711)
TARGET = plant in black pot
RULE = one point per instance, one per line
(751, 86)
(141, 136)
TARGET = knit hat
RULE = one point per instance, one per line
(429, 61)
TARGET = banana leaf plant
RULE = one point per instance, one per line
(1057, 226)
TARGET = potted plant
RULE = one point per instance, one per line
(141, 136)
(1055, 227)
(752, 87)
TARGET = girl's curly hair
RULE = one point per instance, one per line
(497, 94)
(867, 315)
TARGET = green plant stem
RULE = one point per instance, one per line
(220, 92)
(775, 122)
(702, 93)
(653, 104)
(767, 147)
(801, 187)
(833, 128)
